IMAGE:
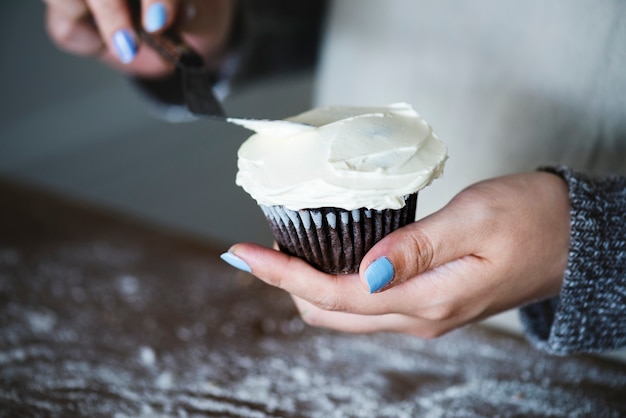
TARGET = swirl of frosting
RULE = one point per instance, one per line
(344, 157)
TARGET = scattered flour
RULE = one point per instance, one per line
(105, 342)
(42, 321)
(147, 356)
(128, 285)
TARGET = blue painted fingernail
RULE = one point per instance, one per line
(236, 262)
(125, 46)
(156, 16)
(379, 274)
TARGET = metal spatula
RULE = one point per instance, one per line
(197, 81)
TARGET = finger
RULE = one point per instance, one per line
(343, 293)
(77, 36)
(158, 15)
(296, 276)
(207, 27)
(114, 23)
(353, 323)
(367, 324)
(418, 247)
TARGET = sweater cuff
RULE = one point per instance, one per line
(589, 314)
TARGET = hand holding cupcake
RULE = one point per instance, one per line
(499, 244)
(339, 190)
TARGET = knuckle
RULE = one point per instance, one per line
(110, 15)
(280, 275)
(440, 313)
(427, 331)
(312, 319)
(323, 297)
(424, 252)
(431, 333)
(420, 254)
(328, 302)
(59, 28)
(275, 280)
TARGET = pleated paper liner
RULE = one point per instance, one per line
(335, 240)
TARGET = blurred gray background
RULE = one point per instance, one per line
(74, 126)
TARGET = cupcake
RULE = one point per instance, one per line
(333, 181)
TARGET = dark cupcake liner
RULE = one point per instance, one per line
(335, 240)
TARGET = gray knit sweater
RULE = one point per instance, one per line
(590, 313)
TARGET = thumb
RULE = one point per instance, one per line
(415, 248)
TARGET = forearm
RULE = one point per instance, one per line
(590, 313)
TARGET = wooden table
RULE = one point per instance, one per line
(101, 315)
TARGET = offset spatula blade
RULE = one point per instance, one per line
(198, 92)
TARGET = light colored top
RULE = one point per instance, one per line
(345, 157)
(509, 85)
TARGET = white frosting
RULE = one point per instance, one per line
(346, 157)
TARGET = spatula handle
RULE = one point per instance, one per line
(168, 44)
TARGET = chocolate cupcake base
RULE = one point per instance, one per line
(335, 240)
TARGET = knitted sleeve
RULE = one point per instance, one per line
(590, 313)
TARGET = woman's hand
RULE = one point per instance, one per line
(497, 245)
(105, 29)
